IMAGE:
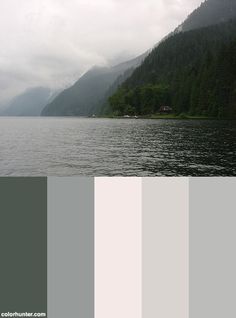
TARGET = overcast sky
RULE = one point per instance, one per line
(52, 42)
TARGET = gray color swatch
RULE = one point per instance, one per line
(23, 245)
(212, 247)
(71, 247)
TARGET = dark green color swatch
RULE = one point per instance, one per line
(23, 245)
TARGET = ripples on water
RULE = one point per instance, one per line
(112, 147)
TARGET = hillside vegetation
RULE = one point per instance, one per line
(194, 72)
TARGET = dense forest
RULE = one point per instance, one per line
(210, 12)
(194, 72)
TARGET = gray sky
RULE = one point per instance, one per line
(52, 42)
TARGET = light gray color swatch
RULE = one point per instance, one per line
(212, 247)
(71, 247)
(165, 247)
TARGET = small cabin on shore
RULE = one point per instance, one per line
(165, 110)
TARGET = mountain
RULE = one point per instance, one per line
(194, 72)
(103, 106)
(87, 94)
(210, 12)
(187, 69)
(91, 92)
(29, 103)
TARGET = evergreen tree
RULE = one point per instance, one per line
(193, 72)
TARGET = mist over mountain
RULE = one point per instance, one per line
(91, 92)
(87, 95)
(29, 103)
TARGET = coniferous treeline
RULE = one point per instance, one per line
(193, 72)
(210, 12)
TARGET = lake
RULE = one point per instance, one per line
(116, 147)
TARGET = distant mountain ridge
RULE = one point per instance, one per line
(29, 103)
(86, 96)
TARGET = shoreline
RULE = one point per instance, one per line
(164, 117)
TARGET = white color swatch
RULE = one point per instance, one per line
(118, 244)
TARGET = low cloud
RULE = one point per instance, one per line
(52, 42)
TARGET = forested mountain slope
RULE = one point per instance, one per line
(210, 12)
(194, 72)
(90, 94)
(86, 95)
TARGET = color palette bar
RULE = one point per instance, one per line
(23, 245)
(165, 247)
(212, 247)
(118, 247)
(70, 247)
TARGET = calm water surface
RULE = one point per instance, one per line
(112, 147)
